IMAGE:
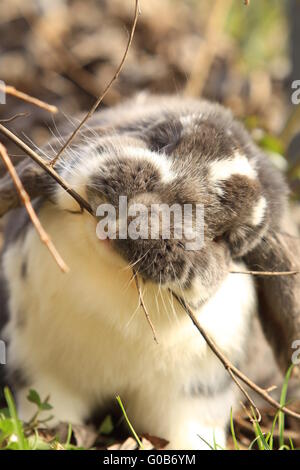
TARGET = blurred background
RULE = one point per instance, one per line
(66, 51)
(245, 57)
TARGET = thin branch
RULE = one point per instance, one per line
(10, 90)
(102, 96)
(142, 303)
(31, 212)
(34, 156)
(267, 273)
(14, 117)
(206, 54)
(246, 394)
(231, 369)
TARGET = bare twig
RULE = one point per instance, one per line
(31, 212)
(142, 303)
(231, 369)
(32, 154)
(271, 388)
(205, 56)
(246, 394)
(267, 273)
(102, 96)
(13, 118)
(10, 90)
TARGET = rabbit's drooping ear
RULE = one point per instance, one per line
(35, 180)
(278, 296)
(277, 249)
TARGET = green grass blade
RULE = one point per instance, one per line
(129, 423)
(205, 442)
(261, 441)
(291, 444)
(69, 436)
(253, 442)
(271, 440)
(18, 429)
(214, 441)
(284, 447)
(235, 442)
(282, 403)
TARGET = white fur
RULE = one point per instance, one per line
(236, 165)
(259, 211)
(85, 339)
(162, 163)
(188, 120)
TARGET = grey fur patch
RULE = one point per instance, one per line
(24, 269)
(18, 222)
(35, 181)
(4, 311)
(16, 379)
(210, 390)
(165, 136)
(13, 377)
(4, 318)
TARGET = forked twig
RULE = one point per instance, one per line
(31, 212)
(246, 394)
(231, 369)
(108, 86)
(142, 303)
(39, 160)
(10, 90)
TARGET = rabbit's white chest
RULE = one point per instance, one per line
(85, 332)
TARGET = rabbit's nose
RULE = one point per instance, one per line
(126, 177)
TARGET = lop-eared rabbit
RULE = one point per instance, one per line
(82, 337)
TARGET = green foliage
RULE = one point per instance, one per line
(107, 426)
(18, 435)
(266, 441)
(34, 397)
(13, 428)
(260, 32)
